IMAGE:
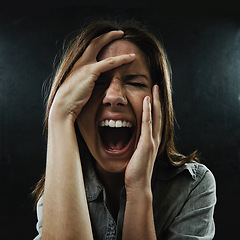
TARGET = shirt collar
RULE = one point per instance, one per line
(94, 187)
(163, 172)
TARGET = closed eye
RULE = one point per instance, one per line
(137, 84)
(136, 80)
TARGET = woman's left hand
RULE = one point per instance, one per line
(140, 167)
(139, 217)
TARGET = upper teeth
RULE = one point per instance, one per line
(113, 123)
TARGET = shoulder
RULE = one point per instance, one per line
(203, 178)
(39, 217)
(199, 172)
(183, 182)
(39, 207)
(194, 170)
(178, 191)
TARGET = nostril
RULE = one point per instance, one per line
(121, 104)
(114, 99)
(114, 102)
(107, 104)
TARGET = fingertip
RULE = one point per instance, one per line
(120, 31)
(147, 99)
(156, 91)
(155, 88)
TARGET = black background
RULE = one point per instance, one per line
(203, 45)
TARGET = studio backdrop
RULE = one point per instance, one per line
(204, 50)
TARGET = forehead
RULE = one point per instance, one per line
(119, 47)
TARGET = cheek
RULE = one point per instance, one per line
(137, 99)
(86, 119)
(137, 104)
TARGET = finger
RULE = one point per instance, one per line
(91, 72)
(157, 114)
(99, 42)
(146, 131)
(112, 62)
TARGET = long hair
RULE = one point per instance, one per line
(160, 71)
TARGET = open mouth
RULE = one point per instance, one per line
(115, 134)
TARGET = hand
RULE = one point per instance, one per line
(76, 90)
(139, 169)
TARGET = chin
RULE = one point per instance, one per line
(112, 166)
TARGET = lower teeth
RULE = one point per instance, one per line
(113, 150)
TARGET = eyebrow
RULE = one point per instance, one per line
(134, 76)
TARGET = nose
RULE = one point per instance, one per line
(114, 95)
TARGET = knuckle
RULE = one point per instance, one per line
(86, 68)
(91, 70)
(110, 60)
(148, 122)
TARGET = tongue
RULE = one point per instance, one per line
(116, 146)
(115, 139)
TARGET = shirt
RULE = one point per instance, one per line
(183, 204)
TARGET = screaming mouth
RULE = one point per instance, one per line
(115, 135)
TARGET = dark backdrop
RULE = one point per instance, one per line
(204, 49)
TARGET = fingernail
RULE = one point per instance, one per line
(148, 100)
(156, 90)
(132, 54)
(120, 31)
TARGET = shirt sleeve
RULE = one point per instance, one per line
(195, 220)
(39, 217)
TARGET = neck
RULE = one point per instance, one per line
(113, 184)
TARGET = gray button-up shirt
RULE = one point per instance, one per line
(183, 204)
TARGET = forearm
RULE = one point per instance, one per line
(65, 211)
(138, 218)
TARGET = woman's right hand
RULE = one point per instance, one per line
(76, 90)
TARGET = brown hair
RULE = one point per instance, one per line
(160, 71)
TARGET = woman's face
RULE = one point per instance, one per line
(110, 122)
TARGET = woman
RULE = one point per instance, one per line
(112, 169)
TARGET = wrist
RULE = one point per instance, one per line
(139, 195)
(60, 115)
(60, 124)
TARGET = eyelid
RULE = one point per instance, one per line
(137, 80)
(137, 84)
